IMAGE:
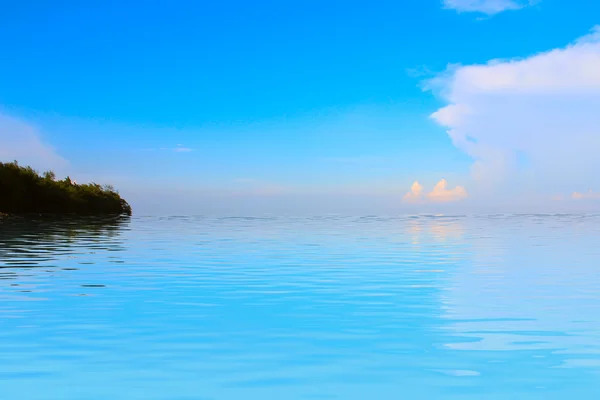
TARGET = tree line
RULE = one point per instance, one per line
(23, 190)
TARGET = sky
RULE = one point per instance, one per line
(270, 107)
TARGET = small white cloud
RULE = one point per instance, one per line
(488, 7)
(439, 194)
(182, 150)
(22, 142)
(442, 194)
(589, 195)
(415, 194)
(178, 149)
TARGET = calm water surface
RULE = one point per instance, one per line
(452, 307)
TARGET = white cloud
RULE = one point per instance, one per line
(439, 194)
(489, 7)
(182, 149)
(589, 195)
(23, 142)
(542, 109)
(442, 194)
(415, 194)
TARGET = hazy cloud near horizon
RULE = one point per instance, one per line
(439, 194)
(23, 142)
(528, 124)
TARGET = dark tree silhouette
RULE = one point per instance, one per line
(23, 190)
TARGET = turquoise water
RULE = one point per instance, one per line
(421, 307)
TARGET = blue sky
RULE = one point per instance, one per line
(254, 102)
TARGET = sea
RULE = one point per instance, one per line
(329, 307)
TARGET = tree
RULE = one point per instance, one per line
(49, 175)
(23, 190)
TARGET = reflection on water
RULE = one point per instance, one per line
(32, 239)
(36, 241)
(503, 306)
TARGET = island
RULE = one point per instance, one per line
(25, 191)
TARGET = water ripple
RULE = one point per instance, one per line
(421, 306)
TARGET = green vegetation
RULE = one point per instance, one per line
(23, 190)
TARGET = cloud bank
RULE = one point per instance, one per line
(439, 194)
(589, 195)
(529, 123)
(488, 7)
(23, 142)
